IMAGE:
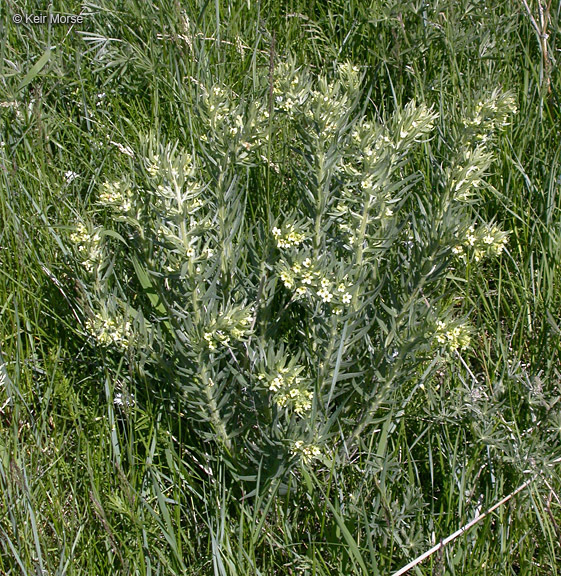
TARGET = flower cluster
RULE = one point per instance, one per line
(173, 204)
(110, 331)
(81, 236)
(369, 200)
(289, 388)
(414, 125)
(117, 196)
(483, 242)
(466, 175)
(175, 187)
(308, 452)
(490, 114)
(453, 336)
(307, 278)
(153, 165)
(234, 324)
(88, 245)
(291, 89)
(320, 108)
(289, 237)
(233, 127)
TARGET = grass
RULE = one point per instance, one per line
(91, 484)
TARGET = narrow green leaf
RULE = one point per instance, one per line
(354, 550)
(35, 69)
(146, 283)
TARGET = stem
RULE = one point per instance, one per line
(322, 191)
(362, 231)
(325, 363)
(209, 386)
(217, 422)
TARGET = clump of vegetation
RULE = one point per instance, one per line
(279, 291)
(297, 340)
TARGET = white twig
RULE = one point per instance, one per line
(462, 530)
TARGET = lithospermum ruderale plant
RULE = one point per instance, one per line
(280, 335)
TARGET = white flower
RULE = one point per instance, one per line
(70, 176)
(325, 295)
(276, 384)
(287, 279)
(499, 247)
(153, 167)
(127, 150)
(124, 400)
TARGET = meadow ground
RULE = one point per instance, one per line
(280, 287)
